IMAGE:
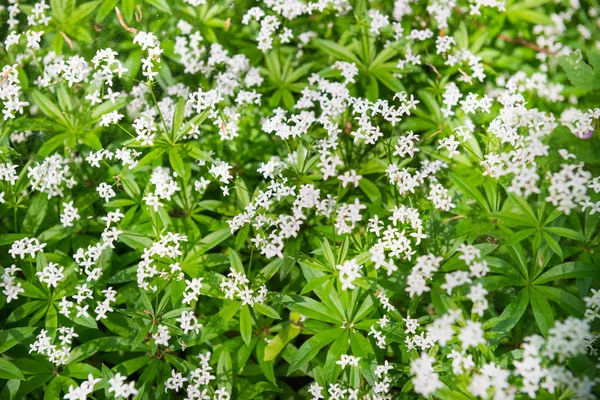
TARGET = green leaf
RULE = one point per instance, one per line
(469, 190)
(51, 318)
(521, 235)
(235, 261)
(24, 310)
(33, 291)
(363, 348)
(217, 322)
(52, 390)
(9, 238)
(564, 299)
(542, 311)
(82, 370)
(197, 120)
(580, 74)
(92, 140)
(311, 309)
(266, 311)
(265, 366)
(107, 107)
(372, 88)
(389, 81)
(531, 16)
(512, 313)
(64, 100)
(496, 282)
(446, 393)
(130, 186)
(286, 335)
(177, 161)
(432, 105)
(35, 214)
(569, 270)
(106, 8)
(246, 325)
(149, 158)
(207, 243)
(50, 145)
(225, 370)
(105, 344)
(517, 254)
(371, 190)
(336, 50)
(242, 193)
(383, 56)
(48, 107)
(553, 244)
(178, 116)
(565, 232)
(339, 347)
(256, 389)
(10, 337)
(311, 348)
(83, 11)
(9, 370)
(512, 219)
(315, 283)
(524, 207)
(162, 5)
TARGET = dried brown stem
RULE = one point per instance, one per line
(432, 135)
(138, 17)
(69, 42)
(5, 75)
(122, 21)
(467, 77)
(434, 69)
(526, 43)
(518, 41)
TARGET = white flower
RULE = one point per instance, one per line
(69, 214)
(33, 39)
(471, 335)
(162, 335)
(348, 360)
(425, 380)
(105, 191)
(51, 274)
(349, 272)
(175, 382)
(110, 118)
(121, 389)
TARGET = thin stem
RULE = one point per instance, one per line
(157, 107)
(125, 130)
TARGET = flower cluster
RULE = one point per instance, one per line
(323, 199)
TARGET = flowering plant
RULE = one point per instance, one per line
(320, 199)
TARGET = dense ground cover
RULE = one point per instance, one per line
(337, 199)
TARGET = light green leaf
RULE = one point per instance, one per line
(311, 348)
(48, 107)
(565, 232)
(569, 270)
(511, 314)
(162, 5)
(542, 311)
(286, 335)
(338, 51)
(246, 325)
(35, 213)
(176, 160)
(13, 336)
(9, 370)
